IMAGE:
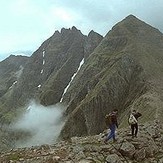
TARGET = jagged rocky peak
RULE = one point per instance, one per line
(92, 41)
(67, 30)
(92, 33)
(56, 33)
(74, 29)
(94, 36)
(64, 31)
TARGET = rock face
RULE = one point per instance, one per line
(123, 72)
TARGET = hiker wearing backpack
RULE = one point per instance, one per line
(111, 122)
(133, 121)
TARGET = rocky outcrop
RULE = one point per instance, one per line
(91, 149)
(123, 72)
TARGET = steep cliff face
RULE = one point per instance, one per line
(123, 72)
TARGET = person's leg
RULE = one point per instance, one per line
(112, 132)
(132, 130)
(136, 129)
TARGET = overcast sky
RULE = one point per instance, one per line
(25, 24)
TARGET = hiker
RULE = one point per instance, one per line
(112, 124)
(133, 121)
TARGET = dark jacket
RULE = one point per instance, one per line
(114, 119)
(110, 119)
(137, 115)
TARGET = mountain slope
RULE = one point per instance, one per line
(10, 71)
(123, 72)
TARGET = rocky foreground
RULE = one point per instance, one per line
(147, 148)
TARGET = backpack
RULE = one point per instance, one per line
(108, 119)
(132, 120)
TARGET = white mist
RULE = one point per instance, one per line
(44, 124)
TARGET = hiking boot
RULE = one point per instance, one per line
(115, 140)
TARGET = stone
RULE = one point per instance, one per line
(140, 155)
(127, 149)
(113, 158)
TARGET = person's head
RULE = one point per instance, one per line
(107, 115)
(133, 111)
(115, 110)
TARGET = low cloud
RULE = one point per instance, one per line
(43, 123)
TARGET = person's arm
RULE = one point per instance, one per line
(139, 114)
(116, 123)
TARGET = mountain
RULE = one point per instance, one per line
(90, 75)
(124, 72)
(48, 70)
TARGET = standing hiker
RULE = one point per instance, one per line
(111, 122)
(133, 121)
